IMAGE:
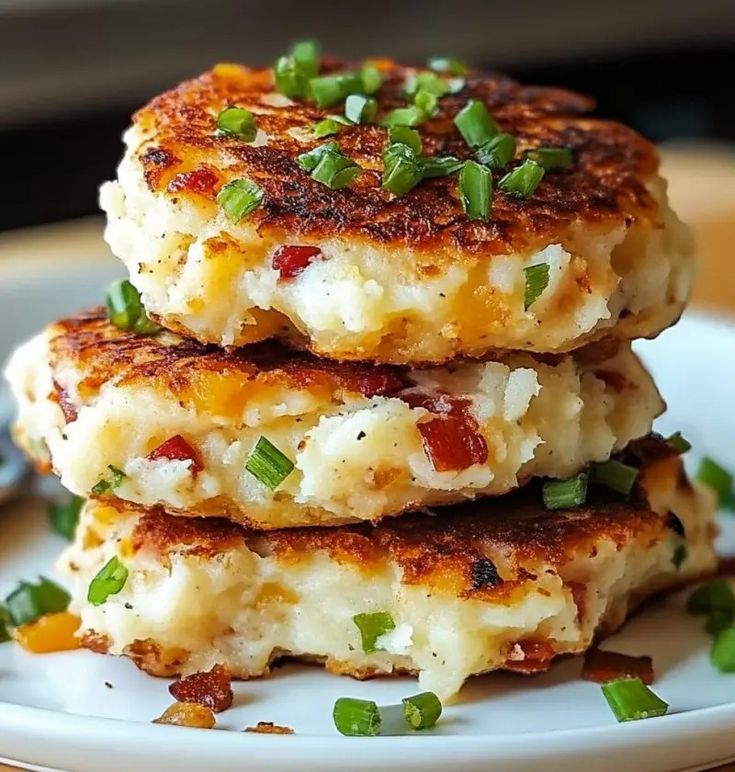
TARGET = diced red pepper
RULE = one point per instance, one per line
(379, 383)
(529, 657)
(176, 448)
(292, 260)
(202, 180)
(601, 666)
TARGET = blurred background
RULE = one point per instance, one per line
(72, 71)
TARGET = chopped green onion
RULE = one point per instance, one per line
(718, 621)
(714, 476)
(403, 135)
(329, 165)
(110, 580)
(447, 64)
(125, 309)
(360, 108)
(65, 516)
(356, 718)
(497, 152)
(712, 596)
(551, 157)
(330, 126)
(475, 190)
(238, 122)
(427, 81)
(310, 160)
(267, 464)
(371, 79)
(305, 55)
(239, 198)
(630, 700)
(115, 481)
(330, 89)
(422, 711)
(680, 555)
(679, 443)
(427, 102)
(371, 627)
(537, 280)
(475, 124)
(523, 180)
(402, 169)
(440, 166)
(28, 602)
(722, 653)
(565, 494)
(614, 475)
(5, 623)
(404, 116)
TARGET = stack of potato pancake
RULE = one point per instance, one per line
(369, 398)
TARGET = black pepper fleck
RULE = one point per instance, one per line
(484, 574)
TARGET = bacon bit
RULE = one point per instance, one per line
(579, 595)
(528, 657)
(452, 439)
(176, 448)
(291, 261)
(379, 383)
(615, 380)
(68, 408)
(187, 714)
(268, 727)
(51, 632)
(601, 666)
(212, 689)
(202, 181)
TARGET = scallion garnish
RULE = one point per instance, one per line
(565, 494)
(630, 700)
(239, 198)
(371, 627)
(371, 79)
(615, 475)
(329, 165)
(402, 169)
(65, 516)
(327, 90)
(422, 711)
(440, 166)
(497, 152)
(679, 443)
(405, 116)
(267, 464)
(109, 580)
(330, 126)
(427, 102)
(405, 136)
(5, 623)
(356, 718)
(711, 597)
(714, 476)
(237, 122)
(105, 485)
(550, 157)
(292, 73)
(722, 653)
(28, 602)
(679, 555)
(125, 309)
(447, 64)
(475, 124)
(475, 190)
(360, 108)
(536, 281)
(718, 621)
(427, 81)
(523, 180)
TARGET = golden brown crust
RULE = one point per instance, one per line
(481, 550)
(606, 183)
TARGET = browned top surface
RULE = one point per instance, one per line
(605, 183)
(483, 549)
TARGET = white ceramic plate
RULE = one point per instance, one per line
(57, 711)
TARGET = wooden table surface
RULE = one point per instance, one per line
(702, 191)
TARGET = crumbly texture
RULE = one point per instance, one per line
(400, 280)
(495, 584)
(91, 396)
